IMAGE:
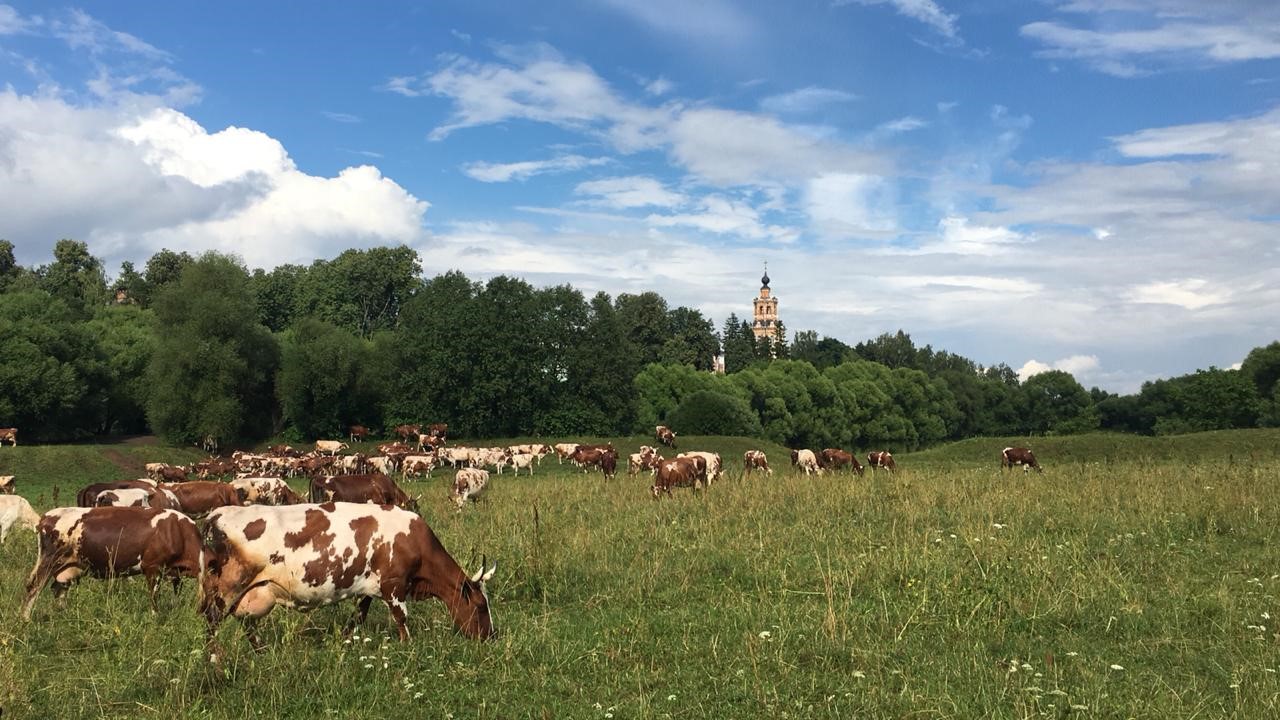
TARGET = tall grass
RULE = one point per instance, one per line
(940, 591)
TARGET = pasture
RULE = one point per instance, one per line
(1119, 583)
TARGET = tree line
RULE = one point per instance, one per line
(192, 347)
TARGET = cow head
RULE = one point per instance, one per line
(6, 485)
(473, 618)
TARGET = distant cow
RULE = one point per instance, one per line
(417, 465)
(173, 474)
(755, 460)
(202, 496)
(1011, 456)
(680, 472)
(10, 435)
(357, 433)
(373, 488)
(264, 491)
(714, 466)
(305, 556)
(877, 459)
(330, 447)
(520, 461)
(468, 484)
(643, 460)
(805, 460)
(834, 459)
(407, 432)
(15, 510)
(7, 485)
(113, 542)
(439, 431)
(665, 436)
(564, 450)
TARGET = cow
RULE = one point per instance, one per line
(407, 431)
(426, 443)
(157, 498)
(564, 451)
(358, 433)
(522, 460)
(642, 460)
(87, 496)
(154, 469)
(264, 491)
(201, 496)
(287, 450)
(9, 434)
(209, 444)
(113, 542)
(680, 472)
(173, 474)
(7, 485)
(877, 459)
(608, 464)
(806, 461)
(665, 436)
(305, 556)
(373, 488)
(330, 447)
(712, 460)
(755, 460)
(834, 459)
(588, 456)
(382, 464)
(417, 464)
(352, 464)
(15, 510)
(1011, 456)
(468, 484)
(439, 431)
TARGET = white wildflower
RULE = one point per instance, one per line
(765, 635)
(1073, 653)
(1117, 667)
(671, 697)
(859, 674)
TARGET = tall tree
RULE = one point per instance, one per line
(1055, 402)
(739, 344)
(691, 339)
(361, 290)
(895, 351)
(275, 294)
(324, 384)
(645, 320)
(75, 276)
(161, 270)
(9, 267)
(213, 368)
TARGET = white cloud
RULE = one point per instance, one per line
(1076, 365)
(851, 205)
(901, 125)
(659, 86)
(506, 172)
(925, 11)
(130, 183)
(1160, 33)
(714, 20)
(1189, 294)
(341, 117)
(464, 37)
(805, 100)
(12, 22)
(629, 192)
(724, 216)
(958, 237)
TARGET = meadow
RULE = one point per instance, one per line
(1135, 577)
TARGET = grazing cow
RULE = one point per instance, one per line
(382, 464)
(287, 450)
(113, 542)
(755, 460)
(564, 451)
(265, 491)
(665, 436)
(157, 498)
(201, 496)
(154, 469)
(877, 459)
(374, 488)
(806, 461)
(88, 495)
(712, 460)
(417, 465)
(330, 447)
(468, 484)
(358, 433)
(1011, 456)
(15, 510)
(522, 460)
(173, 474)
(10, 435)
(834, 459)
(305, 556)
(407, 431)
(680, 472)
(587, 456)
(352, 464)
(7, 485)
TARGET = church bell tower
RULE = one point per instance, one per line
(766, 309)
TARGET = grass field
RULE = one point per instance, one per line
(1134, 578)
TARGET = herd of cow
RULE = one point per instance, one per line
(356, 535)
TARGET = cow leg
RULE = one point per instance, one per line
(153, 583)
(362, 612)
(396, 604)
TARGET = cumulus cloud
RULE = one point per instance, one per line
(506, 172)
(725, 216)
(958, 237)
(1077, 365)
(1135, 37)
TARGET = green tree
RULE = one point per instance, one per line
(712, 413)
(161, 270)
(325, 383)
(739, 344)
(75, 276)
(129, 281)
(647, 323)
(126, 338)
(1262, 367)
(1212, 399)
(1054, 402)
(9, 268)
(691, 339)
(212, 370)
(275, 295)
(361, 290)
(781, 348)
(895, 351)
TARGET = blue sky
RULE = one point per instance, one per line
(1082, 184)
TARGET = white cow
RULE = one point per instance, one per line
(806, 461)
(15, 510)
(564, 450)
(468, 484)
(330, 447)
(7, 486)
(521, 460)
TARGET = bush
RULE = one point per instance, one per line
(709, 413)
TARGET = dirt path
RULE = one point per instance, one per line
(122, 461)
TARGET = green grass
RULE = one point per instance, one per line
(948, 590)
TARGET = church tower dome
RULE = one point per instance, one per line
(766, 310)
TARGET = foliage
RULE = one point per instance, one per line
(1056, 403)
(360, 290)
(326, 380)
(710, 413)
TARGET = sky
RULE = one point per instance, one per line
(1087, 185)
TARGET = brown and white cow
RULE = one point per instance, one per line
(755, 460)
(305, 556)
(881, 459)
(469, 484)
(680, 472)
(157, 498)
(357, 433)
(374, 488)
(835, 458)
(417, 465)
(15, 510)
(201, 496)
(665, 436)
(113, 542)
(87, 496)
(440, 433)
(407, 432)
(265, 491)
(7, 485)
(330, 447)
(643, 460)
(806, 461)
(9, 435)
(712, 460)
(564, 451)
(1011, 456)
(522, 460)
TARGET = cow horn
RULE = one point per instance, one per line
(478, 575)
(489, 575)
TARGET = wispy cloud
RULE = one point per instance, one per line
(341, 117)
(805, 100)
(715, 20)
(506, 172)
(924, 11)
(629, 192)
